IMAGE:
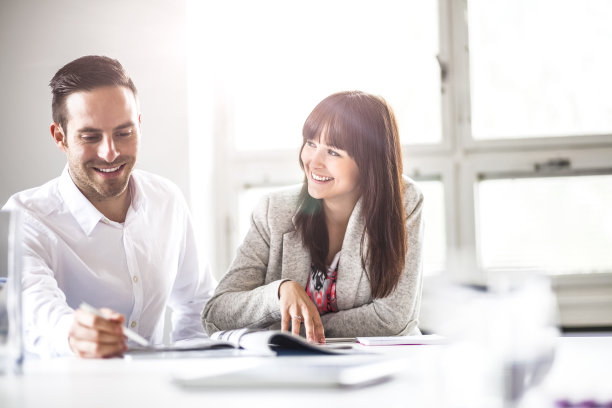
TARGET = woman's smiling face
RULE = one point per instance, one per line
(332, 174)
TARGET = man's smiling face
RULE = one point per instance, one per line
(101, 140)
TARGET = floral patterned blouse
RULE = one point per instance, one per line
(321, 287)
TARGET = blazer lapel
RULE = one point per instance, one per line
(350, 271)
(296, 259)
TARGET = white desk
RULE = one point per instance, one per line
(582, 363)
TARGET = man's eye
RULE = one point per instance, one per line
(90, 137)
(125, 133)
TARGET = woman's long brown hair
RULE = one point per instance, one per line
(365, 127)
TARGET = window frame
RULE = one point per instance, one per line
(458, 161)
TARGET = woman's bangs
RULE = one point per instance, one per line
(339, 120)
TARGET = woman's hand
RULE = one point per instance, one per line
(296, 307)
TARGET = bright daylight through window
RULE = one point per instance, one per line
(525, 82)
(556, 225)
(279, 69)
(539, 68)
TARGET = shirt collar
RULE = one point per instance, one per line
(86, 215)
(83, 211)
(135, 187)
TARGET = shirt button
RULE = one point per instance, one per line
(133, 324)
(135, 279)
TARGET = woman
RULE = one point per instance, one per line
(342, 255)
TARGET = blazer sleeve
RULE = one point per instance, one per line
(396, 314)
(243, 298)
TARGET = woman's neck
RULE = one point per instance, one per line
(338, 212)
(337, 215)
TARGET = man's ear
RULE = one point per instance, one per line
(57, 133)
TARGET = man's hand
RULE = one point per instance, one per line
(296, 307)
(93, 336)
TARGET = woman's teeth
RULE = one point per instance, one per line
(320, 178)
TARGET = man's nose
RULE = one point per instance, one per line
(108, 149)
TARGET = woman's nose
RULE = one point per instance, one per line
(317, 159)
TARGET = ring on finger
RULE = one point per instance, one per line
(298, 318)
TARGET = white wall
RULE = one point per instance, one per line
(39, 37)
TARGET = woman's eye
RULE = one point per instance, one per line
(333, 153)
(310, 144)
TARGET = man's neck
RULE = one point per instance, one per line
(116, 208)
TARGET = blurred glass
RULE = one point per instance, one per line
(502, 338)
(276, 60)
(11, 333)
(555, 224)
(540, 68)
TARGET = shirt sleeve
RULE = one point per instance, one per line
(396, 314)
(194, 285)
(47, 316)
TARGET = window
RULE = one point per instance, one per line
(557, 225)
(501, 109)
(276, 60)
(538, 68)
(434, 245)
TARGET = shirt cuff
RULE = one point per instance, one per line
(60, 344)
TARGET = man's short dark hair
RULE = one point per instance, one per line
(85, 74)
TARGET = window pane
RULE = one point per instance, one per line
(540, 67)
(278, 59)
(434, 247)
(434, 251)
(559, 225)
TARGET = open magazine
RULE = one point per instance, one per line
(256, 340)
(282, 343)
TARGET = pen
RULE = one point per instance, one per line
(130, 334)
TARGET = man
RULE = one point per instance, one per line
(103, 233)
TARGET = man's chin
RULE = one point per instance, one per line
(113, 191)
(108, 189)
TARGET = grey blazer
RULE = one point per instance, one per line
(272, 252)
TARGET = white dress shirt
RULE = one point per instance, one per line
(74, 254)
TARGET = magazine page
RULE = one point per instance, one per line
(185, 345)
(282, 343)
